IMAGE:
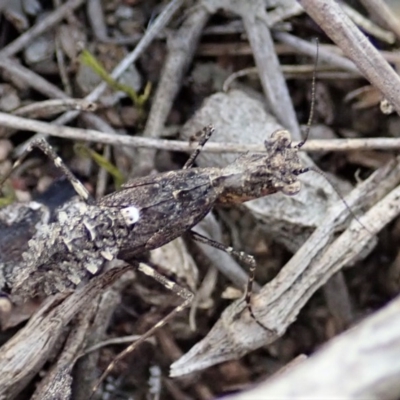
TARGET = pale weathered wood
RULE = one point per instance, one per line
(362, 363)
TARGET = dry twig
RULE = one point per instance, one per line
(336, 24)
(91, 135)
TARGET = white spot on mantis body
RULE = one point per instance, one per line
(107, 255)
(92, 268)
(62, 217)
(67, 244)
(130, 214)
(90, 229)
(74, 279)
(33, 205)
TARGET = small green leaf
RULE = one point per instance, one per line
(138, 100)
(8, 195)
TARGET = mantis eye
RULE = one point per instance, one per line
(292, 188)
(282, 136)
